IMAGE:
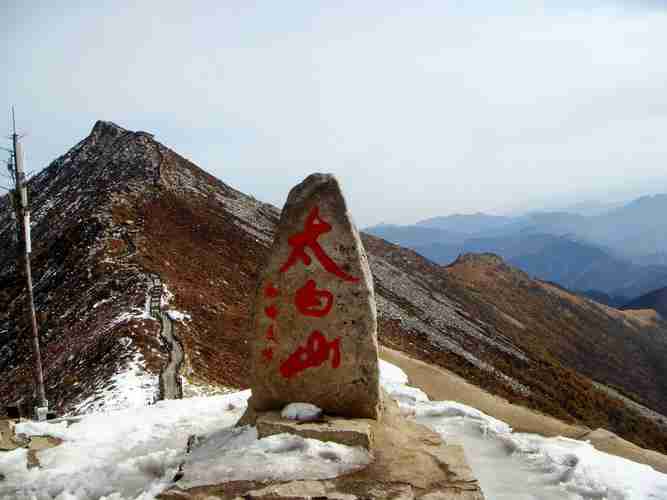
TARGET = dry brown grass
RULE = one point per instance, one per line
(211, 266)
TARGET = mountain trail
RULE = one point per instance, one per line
(171, 386)
(442, 385)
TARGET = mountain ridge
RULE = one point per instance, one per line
(120, 207)
(656, 300)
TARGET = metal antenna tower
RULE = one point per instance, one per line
(22, 208)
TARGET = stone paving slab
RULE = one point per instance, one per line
(350, 432)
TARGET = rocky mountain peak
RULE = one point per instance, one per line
(106, 128)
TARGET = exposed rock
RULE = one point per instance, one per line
(315, 320)
(8, 440)
(294, 490)
(37, 444)
(350, 432)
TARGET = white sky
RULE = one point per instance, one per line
(420, 111)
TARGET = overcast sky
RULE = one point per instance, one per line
(420, 111)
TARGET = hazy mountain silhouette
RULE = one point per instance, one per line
(415, 236)
(656, 300)
(619, 253)
(467, 224)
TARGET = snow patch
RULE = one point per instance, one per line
(177, 315)
(132, 387)
(303, 412)
(135, 453)
(392, 374)
(101, 302)
(127, 454)
(394, 381)
(237, 454)
(512, 465)
(34, 428)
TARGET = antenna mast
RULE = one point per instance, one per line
(22, 207)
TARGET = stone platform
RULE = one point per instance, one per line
(409, 462)
(350, 432)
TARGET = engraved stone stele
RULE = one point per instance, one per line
(315, 320)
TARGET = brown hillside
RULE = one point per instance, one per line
(603, 343)
(150, 210)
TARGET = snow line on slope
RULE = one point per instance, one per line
(135, 453)
(133, 386)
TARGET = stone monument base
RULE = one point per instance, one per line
(347, 431)
(409, 462)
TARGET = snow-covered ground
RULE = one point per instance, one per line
(134, 453)
(177, 315)
(519, 466)
(132, 387)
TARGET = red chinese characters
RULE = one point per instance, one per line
(271, 291)
(314, 228)
(267, 354)
(271, 312)
(316, 351)
(308, 300)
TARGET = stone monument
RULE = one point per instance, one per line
(315, 341)
(315, 320)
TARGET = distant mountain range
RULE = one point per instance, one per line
(467, 224)
(614, 256)
(634, 230)
(656, 300)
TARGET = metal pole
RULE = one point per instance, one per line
(23, 220)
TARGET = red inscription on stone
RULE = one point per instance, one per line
(271, 291)
(314, 228)
(271, 311)
(270, 334)
(267, 354)
(315, 353)
(308, 300)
